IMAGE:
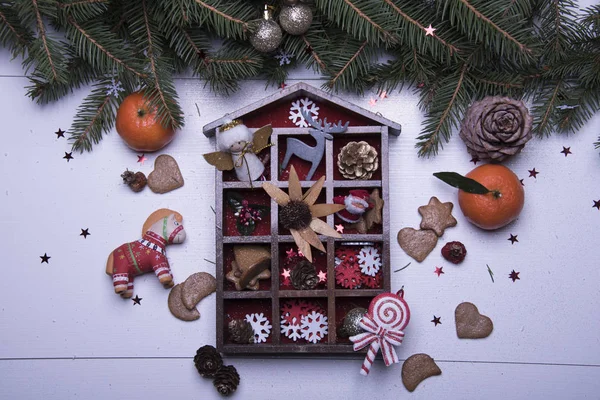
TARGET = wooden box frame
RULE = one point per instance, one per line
(379, 126)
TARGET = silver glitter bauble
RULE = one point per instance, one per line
(350, 326)
(295, 19)
(267, 34)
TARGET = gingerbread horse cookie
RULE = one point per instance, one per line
(147, 254)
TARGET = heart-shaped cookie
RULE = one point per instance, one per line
(417, 244)
(470, 324)
(166, 175)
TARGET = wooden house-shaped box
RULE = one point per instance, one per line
(275, 294)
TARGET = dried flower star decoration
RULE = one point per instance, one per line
(300, 214)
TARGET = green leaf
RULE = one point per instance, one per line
(463, 183)
(246, 230)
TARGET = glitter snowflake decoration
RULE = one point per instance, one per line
(284, 57)
(114, 88)
(369, 260)
(291, 330)
(306, 105)
(314, 327)
(260, 325)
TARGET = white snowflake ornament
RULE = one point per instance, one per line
(284, 57)
(306, 105)
(260, 325)
(291, 330)
(314, 327)
(369, 260)
(114, 87)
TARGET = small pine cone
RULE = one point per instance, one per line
(136, 181)
(496, 128)
(208, 361)
(240, 331)
(304, 276)
(358, 160)
(226, 380)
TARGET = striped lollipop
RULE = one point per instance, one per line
(388, 315)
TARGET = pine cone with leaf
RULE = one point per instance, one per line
(496, 128)
(208, 361)
(358, 160)
(304, 276)
(226, 380)
(240, 331)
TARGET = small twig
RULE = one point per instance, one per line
(198, 109)
(212, 262)
(490, 272)
(213, 210)
(406, 266)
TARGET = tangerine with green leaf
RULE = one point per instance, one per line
(139, 126)
(501, 205)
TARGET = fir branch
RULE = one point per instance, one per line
(543, 111)
(13, 35)
(363, 19)
(233, 62)
(83, 10)
(230, 22)
(333, 80)
(81, 3)
(314, 54)
(104, 51)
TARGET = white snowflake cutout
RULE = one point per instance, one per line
(337, 261)
(314, 327)
(284, 57)
(369, 260)
(260, 325)
(291, 331)
(114, 87)
(306, 105)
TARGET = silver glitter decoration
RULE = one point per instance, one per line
(350, 326)
(295, 19)
(267, 35)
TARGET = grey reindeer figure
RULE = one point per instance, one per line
(320, 130)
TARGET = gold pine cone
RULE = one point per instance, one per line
(358, 160)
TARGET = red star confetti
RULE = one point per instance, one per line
(322, 276)
(596, 204)
(142, 158)
(68, 156)
(438, 271)
(475, 160)
(59, 133)
(514, 275)
(372, 102)
(566, 151)
(339, 228)
(45, 258)
(300, 254)
(286, 276)
(85, 233)
(429, 30)
(383, 95)
(290, 253)
(283, 85)
(436, 320)
(420, 85)
(513, 238)
(533, 173)
(137, 300)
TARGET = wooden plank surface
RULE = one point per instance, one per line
(67, 309)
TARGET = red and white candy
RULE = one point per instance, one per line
(388, 315)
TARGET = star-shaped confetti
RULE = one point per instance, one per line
(436, 320)
(59, 133)
(85, 233)
(68, 156)
(290, 253)
(308, 49)
(383, 95)
(322, 276)
(372, 102)
(513, 238)
(429, 30)
(339, 228)
(286, 276)
(596, 204)
(475, 160)
(533, 173)
(137, 300)
(300, 253)
(514, 275)
(438, 271)
(283, 85)
(521, 180)
(142, 158)
(45, 258)
(566, 151)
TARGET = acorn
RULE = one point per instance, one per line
(135, 180)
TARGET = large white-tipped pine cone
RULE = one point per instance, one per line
(358, 160)
(496, 128)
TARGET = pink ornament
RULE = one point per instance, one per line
(388, 315)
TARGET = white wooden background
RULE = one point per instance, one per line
(65, 334)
